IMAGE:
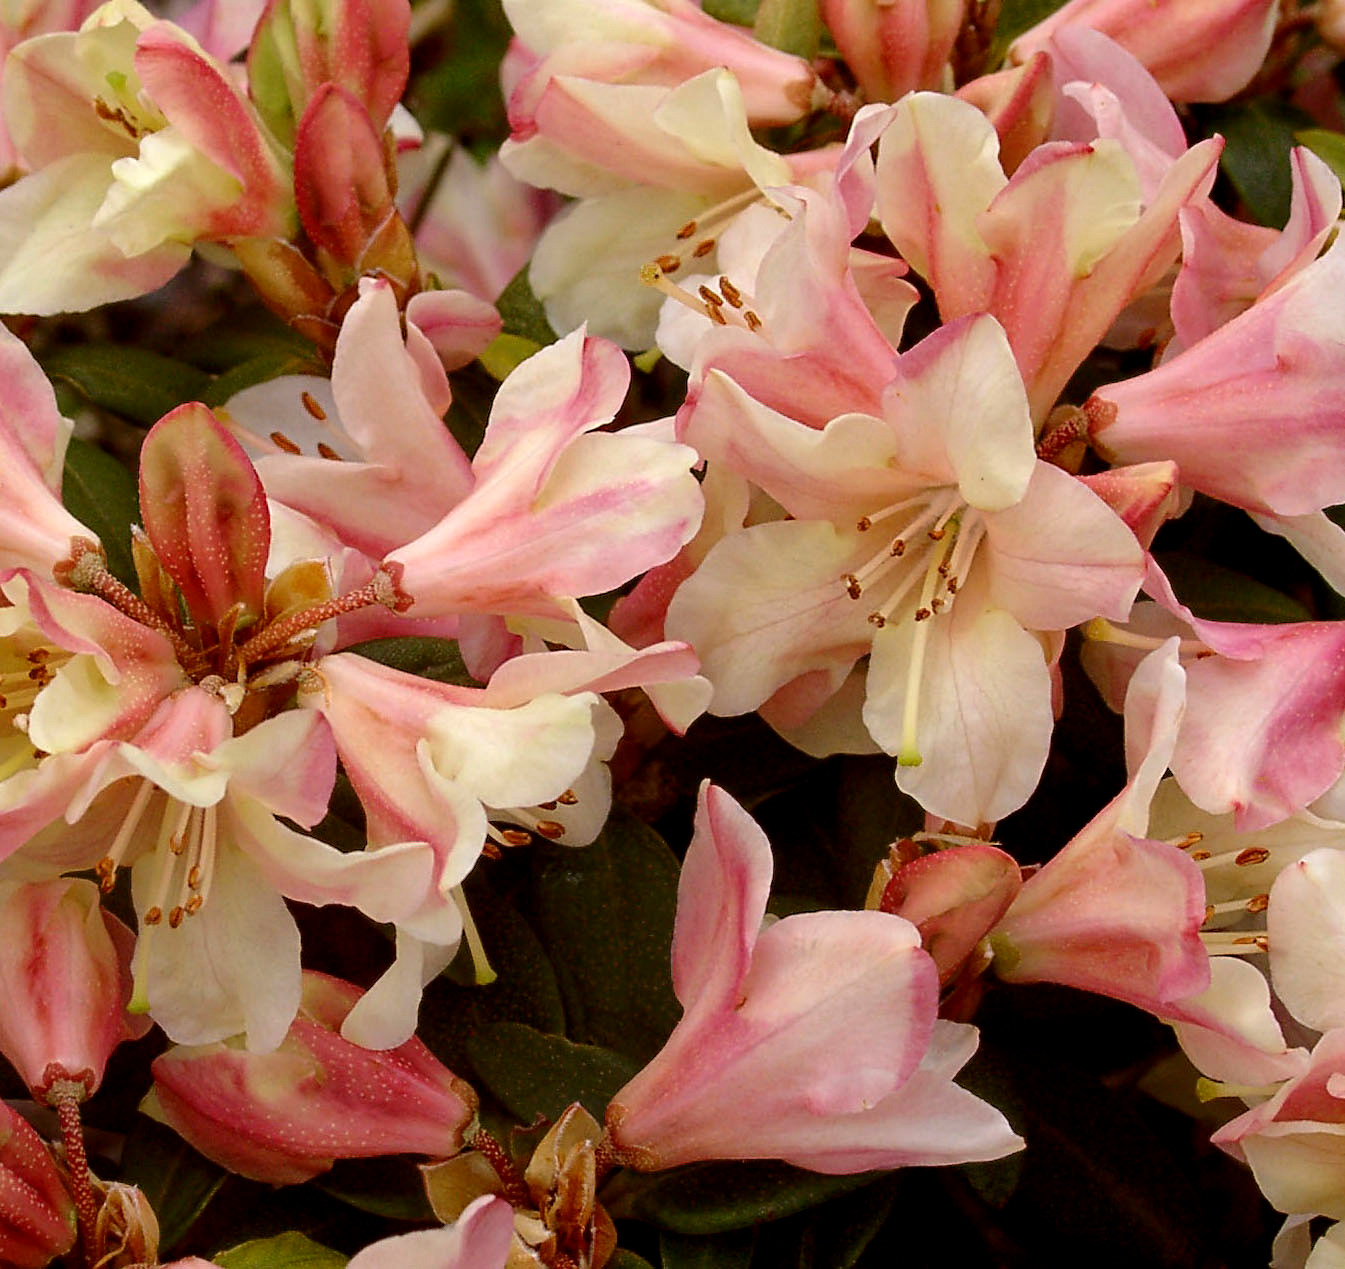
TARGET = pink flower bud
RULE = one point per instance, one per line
(895, 46)
(288, 1115)
(37, 1214)
(63, 984)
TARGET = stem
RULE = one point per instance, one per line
(77, 1164)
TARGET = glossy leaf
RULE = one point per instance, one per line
(389, 1187)
(522, 312)
(178, 1182)
(793, 26)
(430, 658)
(713, 1197)
(137, 384)
(100, 492)
(284, 1251)
(534, 1074)
(1257, 138)
(1326, 145)
(605, 916)
(725, 1251)
(737, 12)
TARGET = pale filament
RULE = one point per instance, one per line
(728, 309)
(1231, 943)
(1100, 630)
(480, 963)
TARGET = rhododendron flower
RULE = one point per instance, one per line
(751, 1071)
(287, 1115)
(64, 984)
(1197, 50)
(163, 708)
(931, 537)
(128, 168)
(37, 1214)
(480, 1239)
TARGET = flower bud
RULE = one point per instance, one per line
(37, 1214)
(63, 984)
(288, 1115)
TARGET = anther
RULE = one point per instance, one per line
(687, 230)
(281, 441)
(937, 534)
(752, 320)
(863, 524)
(1258, 903)
(568, 798)
(515, 837)
(717, 317)
(175, 918)
(1191, 839)
(193, 905)
(709, 296)
(551, 829)
(703, 247)
(1198, 855)
(153, 916)
(877, 619)
(852, 587)
(1252, 855)
(311, 405)
(669, 264)
(328, 452)
(547, 806)
(923, 614)
(898, 547)
(730, 292)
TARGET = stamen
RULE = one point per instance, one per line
(328, 452)
(1185, 843)
(1231, 943)
(166, 850)
(865, 523)
(669, 264)
(86, 571)
(716, 301)
(703, 247)
(752, 320)
(908, 755)
(568, 798)
(383, 590)
(313, 408)
(1100, 630)
(481, 965)
(730, 292)
(106, 868)
(552, 830)
(281, 441)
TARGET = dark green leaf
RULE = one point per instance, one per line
(284, 1251)
(430, 658)
(522, 313)
(628, 1260)
(241, 337)
(524, 991)
(725, 1251)
(1257, 138)
(1327, 146)
(474, 391)
(1015, 17)
(793, 26)
(262, 368)
(390, 1186)
(461, 95)
(101, 493)
(847, 1225)
(133, 382)
(178, 1182)
(531, 1073)
(713, 1197)
(1220, 594)
(738, 12)
(605, 916)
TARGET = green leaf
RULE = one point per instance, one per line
(1258, 136)
(1327, 146)
(178, 1182)
(430, 658)
(284, 1251)
(726, 1251)
(1015, 17)
(1220, 594)
(460, 95)
(623, 1259)
(525, 990)
(531, 1073)
(241, 337)
(522, 312)
(390, 1186)
(793, 26)
(101, 493)
(261, 368)
(738, 12)
(138, 384)
(710, 1198)
(605, 916)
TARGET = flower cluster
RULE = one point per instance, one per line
(791, 416)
